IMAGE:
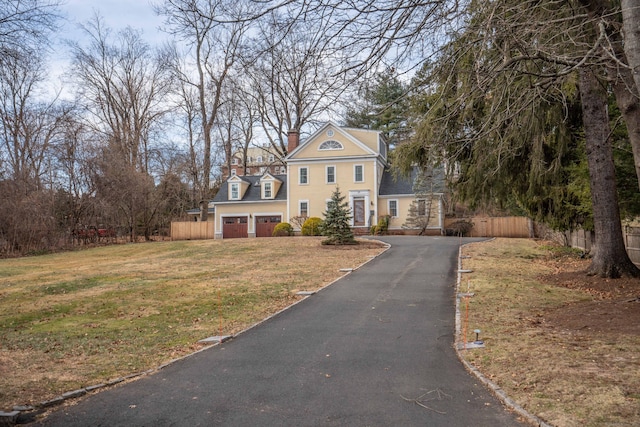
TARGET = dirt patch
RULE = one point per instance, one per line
(614, 310)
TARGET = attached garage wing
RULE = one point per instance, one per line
(235, 227)
(266, 224)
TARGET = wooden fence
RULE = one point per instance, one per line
(192, 230)
(584, 240)
(509, 226)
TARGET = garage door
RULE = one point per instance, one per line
(266, 224)
(234, 226)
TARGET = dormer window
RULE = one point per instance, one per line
(235, 191)
(268, 190)
(330, 145)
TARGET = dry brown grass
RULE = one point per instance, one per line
(564, 346)
(72, 320)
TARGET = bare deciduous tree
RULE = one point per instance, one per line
(28, 126)
(26, 24)
(123, 86)
(297, 75)
(213, 49)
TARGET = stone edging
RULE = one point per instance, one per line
(497, 391)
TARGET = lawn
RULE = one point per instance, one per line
(563, 345)
(76, 319)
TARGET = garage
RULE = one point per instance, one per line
(234, 227)
(266, 224)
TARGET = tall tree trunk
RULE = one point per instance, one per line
(629, 105)
(631, 28)
(610, 258)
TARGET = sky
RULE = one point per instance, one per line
(117, 14)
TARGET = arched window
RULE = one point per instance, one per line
(330, 145)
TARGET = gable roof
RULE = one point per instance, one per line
(392, 186)
(253, 193)
(348, 136)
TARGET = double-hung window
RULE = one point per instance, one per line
(235, 191)
(331, 174)
(267, 190)
(304, 208)
(358, 173)
(304, 175)
(393, 208)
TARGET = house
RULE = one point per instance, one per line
(259, 160)
(354, 160)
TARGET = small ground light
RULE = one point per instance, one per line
(477, 341)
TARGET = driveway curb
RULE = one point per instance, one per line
(497, 391)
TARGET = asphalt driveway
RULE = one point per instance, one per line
(373, 349)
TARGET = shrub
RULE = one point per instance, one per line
(382, 227)
(297, 221)
(459, 228)
(311, 226)
(283, 229)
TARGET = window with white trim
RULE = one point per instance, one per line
(303, 208)
(259, 159)
(235, 191)
(271, 158)
(393, 208)
(267, 190)
(331, 174)
(303, 177)
(358, 173)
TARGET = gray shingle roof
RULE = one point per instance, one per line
(390, 186)
(253, 192)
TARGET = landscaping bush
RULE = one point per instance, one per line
(459, 228)
(283, 229)
(311, 226)
(382, 227)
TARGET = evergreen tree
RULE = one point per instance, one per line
(336, 226)
(382, 106)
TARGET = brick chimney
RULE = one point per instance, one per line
(293, 140)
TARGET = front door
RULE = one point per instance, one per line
(358, 213)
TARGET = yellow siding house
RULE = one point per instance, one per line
(354, 160)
